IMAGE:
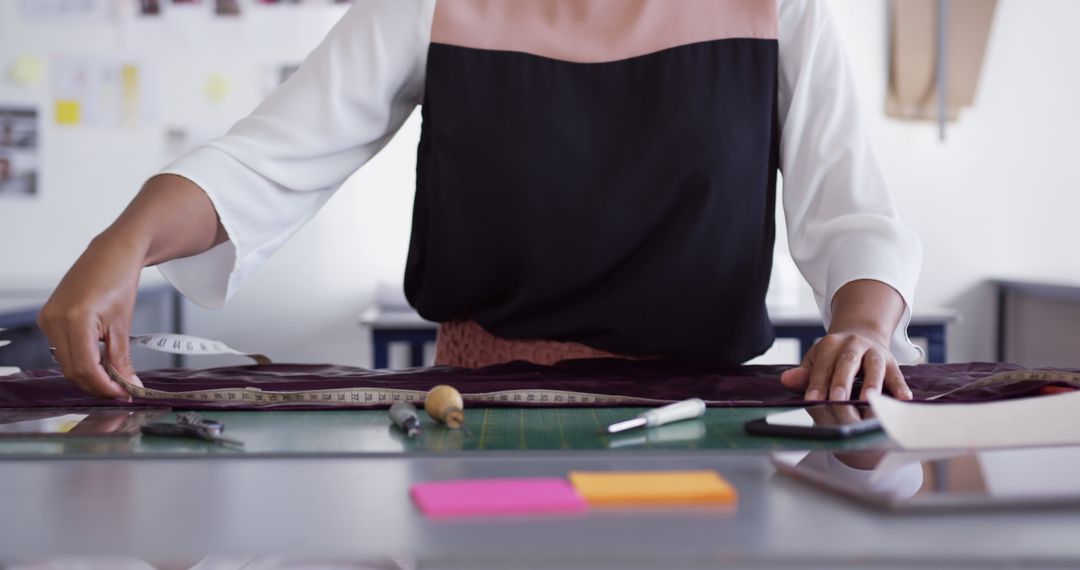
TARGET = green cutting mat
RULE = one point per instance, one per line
(490, 429)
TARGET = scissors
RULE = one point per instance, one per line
(191, 425)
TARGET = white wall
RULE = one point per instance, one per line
(1001, 195)
(999, 198)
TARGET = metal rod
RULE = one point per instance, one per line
(942, 66)
(627, 424)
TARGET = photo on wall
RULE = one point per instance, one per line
(307, 2)
(227, 7)
(67, 10)
(150, 7)
(18, 152)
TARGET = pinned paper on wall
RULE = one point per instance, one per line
(220, 7)
(308, 2)
(150, 7)
(53, 10)
(227, 7)
(130, 79)
(18, 152)
(26, 71)
(100, 92)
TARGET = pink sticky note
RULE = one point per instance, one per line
(497, 497)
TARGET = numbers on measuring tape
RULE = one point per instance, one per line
(190, 346)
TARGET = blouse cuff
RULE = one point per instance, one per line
(869, 259)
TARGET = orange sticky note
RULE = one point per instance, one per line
(639, 488)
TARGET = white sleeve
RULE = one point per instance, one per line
(274, 169)
(841, 222)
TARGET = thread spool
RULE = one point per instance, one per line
(444, 404)
(403, 414)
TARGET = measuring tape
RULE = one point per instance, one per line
(190, 346)
(380, 397)
(373, 397)
(1016, 376)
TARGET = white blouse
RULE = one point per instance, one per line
(275, 168)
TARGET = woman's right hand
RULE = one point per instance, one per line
(170, 218)
(92, 304)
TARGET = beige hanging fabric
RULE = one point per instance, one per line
(913, 92)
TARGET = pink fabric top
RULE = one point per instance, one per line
(593, 31)
(465, 344)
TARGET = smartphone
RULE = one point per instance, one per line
(827, 421)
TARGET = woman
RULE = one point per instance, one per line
(594, 178)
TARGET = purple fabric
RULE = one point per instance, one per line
(662, 380)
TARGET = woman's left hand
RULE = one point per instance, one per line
(828, 370)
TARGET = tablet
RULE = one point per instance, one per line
(927, 480)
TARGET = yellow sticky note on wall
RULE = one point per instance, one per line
(68, 112)
(638, 488)
(129, 95)
(27, 71)
(217, 87)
